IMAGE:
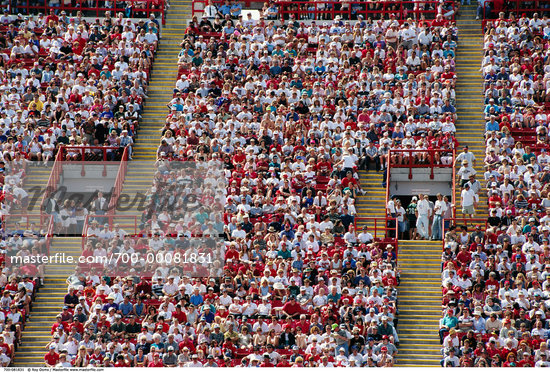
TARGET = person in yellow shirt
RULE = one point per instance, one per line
(39, 105)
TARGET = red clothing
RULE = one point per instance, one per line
(55, 325)
(51, 359)
(291, 309)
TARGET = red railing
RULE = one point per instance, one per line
(469, 222)
(49, 234)
(412, 163)
(401, 9)
(312, 10)
(119, 183)
(43, 222)
(382, 229)
(53, 180)
(90, 153)
(515, 6)
(385, 229)
(130, 8)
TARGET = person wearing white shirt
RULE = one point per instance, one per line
(365, 237)
(469, 201)
(440, 208)
(422, 216)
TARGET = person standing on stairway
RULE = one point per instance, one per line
(423, 217)
(469, 201)
(440, 208)
(464, 172)
(411, 217)
(390, 211)
(466, 155)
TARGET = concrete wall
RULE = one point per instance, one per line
(400, 184)
(93, 179)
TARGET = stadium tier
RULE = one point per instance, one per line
(275, 146)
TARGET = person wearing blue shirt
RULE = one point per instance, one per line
(447, 107)
(320, 68)
(448, 52)
(275, 69)
(236, 9)
(208, 315)
(107, 114)
(126, 307)
(488, 107)
(225, 9)
(196, 298)
(492, 125)
(449, 321)
(287, 232)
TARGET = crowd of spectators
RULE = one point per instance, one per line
(496, 279)
(67, 81)
(64, 81)
(290, 113)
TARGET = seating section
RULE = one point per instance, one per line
(495, 278)
(64, 82)
(69, 82)
(289, 116)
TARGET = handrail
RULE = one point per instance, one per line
(53, 180)
(453, 197)
(311, 10)
(411, 164)
(508, 7)
(388, 178)
(317, 8)
(119, 183)
(463, 221)
(83, 150)
(49, 234)
(84, 231)
(382, 228)
(129, 9)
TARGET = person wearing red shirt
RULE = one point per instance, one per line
(349, 180)
(464, 257)
(267, 361)
(239, 157)
(157, 362)
(58, 324)
(51, 358)
(292, 308)
(284, 362)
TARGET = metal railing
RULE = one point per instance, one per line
(53, 180)
(381, 228)
(316, 10)
(119, 181)
(413, 163)
(517, 7)
(130, 8)
(351, 10)
(91, 153)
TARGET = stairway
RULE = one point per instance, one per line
(161, 85)
(420, 261)
(372, 204)
(470, 126)
(48, 303)
(419, 303)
